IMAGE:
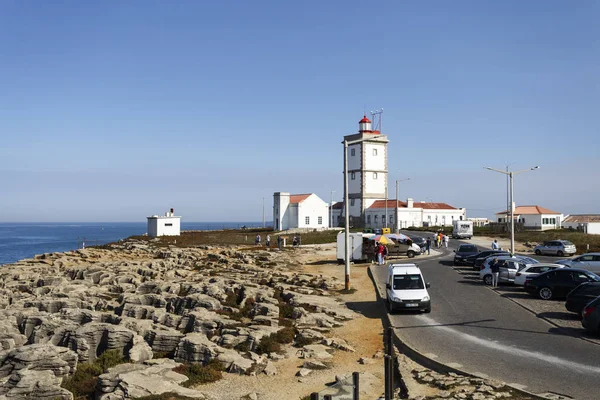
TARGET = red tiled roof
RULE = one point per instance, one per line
(583, 218)
(416, 204)
(338, 206)
(299, 198)
(530, 210)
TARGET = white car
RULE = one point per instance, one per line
(589, 262)
(509, 265)
(533, 269)
(406, 289)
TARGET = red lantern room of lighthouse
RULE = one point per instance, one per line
(364, 126)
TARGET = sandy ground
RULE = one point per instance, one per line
(364, 334)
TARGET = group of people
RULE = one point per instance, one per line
(441, 238)
(257, 241)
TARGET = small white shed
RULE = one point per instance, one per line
(167, 225)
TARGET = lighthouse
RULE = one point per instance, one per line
(367, 170)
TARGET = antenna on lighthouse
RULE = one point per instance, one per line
(377, 117)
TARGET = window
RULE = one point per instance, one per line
(320, 220)
(499, 219)
(339, 219)
(383, 219)
(351, 202)
(374, 175)
(352, 176)
(168, 224)
(553, 221)
(307, 220)
(391, 218)
(374, 152)
(352, 152)
(375, 218)
(369, 219)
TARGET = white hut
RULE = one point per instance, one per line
(167, 225)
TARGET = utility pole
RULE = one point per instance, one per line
(386, 212)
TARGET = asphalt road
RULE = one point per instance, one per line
(476, 330)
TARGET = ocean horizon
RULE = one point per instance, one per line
(19, 240)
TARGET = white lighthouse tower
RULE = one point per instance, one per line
(367, 170)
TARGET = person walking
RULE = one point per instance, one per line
(495, 267)
(279, 241)
(268, 241)
(446, 240)
(495, 245)
(295, 241)
(428, 246)
(257, 240)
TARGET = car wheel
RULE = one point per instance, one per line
(427, 310)
(340, 261)
(545, 293)
(560, 253)
(538, 252)
(487, 279)
(410, 254)
(390, 306)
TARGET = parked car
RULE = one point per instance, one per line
(406, 288)
(522, 260)
(582, 295)
(533, 269)
(556, 248)
(478, 259)
(591, 316)
(401, 248)
(419, 241)
(558, 283)
(589, 262)
(464, 251)
(509, 265)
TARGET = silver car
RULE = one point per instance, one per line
(556, 248)
(508, 268)
(589, 262)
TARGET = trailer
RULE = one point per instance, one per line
(359, 243)
(462, 229)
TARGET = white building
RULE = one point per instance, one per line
(167, 225)
(587, 223)
(299, 211)
(367, 170)
(411, 213)
(534, 217)
(479, 221)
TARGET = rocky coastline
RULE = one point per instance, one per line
(158, 309)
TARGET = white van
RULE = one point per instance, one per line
(462, 229)
(406, 289)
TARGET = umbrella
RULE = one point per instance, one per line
(382, 239)
(397, 236)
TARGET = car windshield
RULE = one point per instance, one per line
(528, 260)
(567, 243)
(403, 282)
(593, 277)
(467, 249)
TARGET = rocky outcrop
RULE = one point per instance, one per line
(194, 305)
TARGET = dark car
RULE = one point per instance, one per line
(464, 251)
(582, 295)
(480, 257)
(419, 241)
(558, 283)
(591, 316)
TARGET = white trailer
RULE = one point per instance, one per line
(462, 229)
(356, 246)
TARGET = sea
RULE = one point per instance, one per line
(24, 240)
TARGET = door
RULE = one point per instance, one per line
(578, 279)
(595, 265)
(503, 275)
(584, 261)
(511, 270)
(563, 281)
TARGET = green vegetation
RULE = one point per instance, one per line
(83, 382)
(273, 342)
(198, 374)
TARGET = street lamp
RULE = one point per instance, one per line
(397, 212)
(347, 208)
(512, 219)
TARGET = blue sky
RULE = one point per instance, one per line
(111, 111)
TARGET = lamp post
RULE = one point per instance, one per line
(397, 212)
(347, 208)
(331, 210)
(510, 174)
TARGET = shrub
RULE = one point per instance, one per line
(285, 335)
(285, 310)
(198, 374)
(83, 382)
(268, 344)
(303, 341)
